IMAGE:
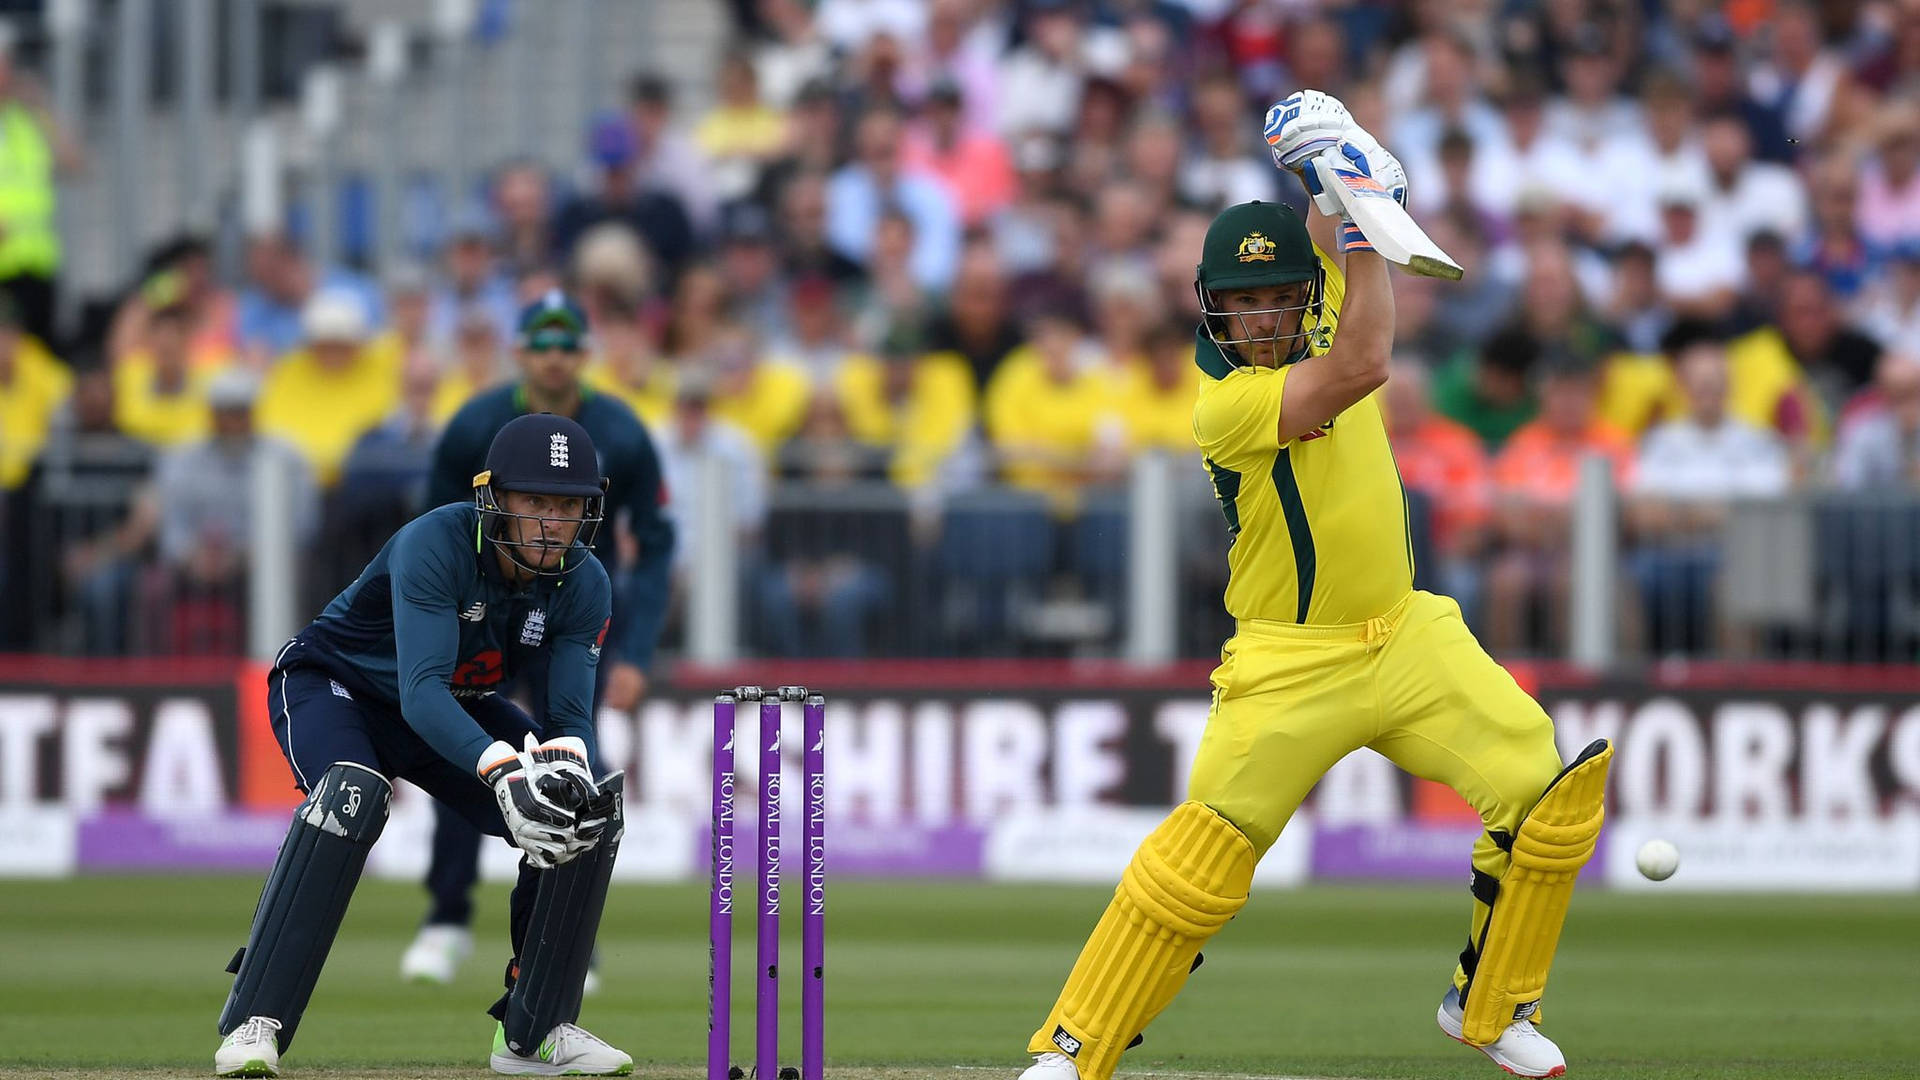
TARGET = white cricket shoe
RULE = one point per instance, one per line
(252, 1050)
(568, 1050)
(436, 954)
(1052, 1066)
(1521, 1049)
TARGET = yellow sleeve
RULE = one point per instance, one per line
(944, 405)
(788, 392)
(1007, 392)
(857, 385)
(1239, 417)
(1336, 295)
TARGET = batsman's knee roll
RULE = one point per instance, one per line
(1189, 877)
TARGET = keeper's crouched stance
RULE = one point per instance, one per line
(395, 681)
(1333, 650)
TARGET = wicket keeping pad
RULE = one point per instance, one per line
(305, 898)
(567, 902)
(1507, 971)
(1188, 878)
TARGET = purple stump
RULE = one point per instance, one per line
(767, 973)
(720, 896)
(813, 929)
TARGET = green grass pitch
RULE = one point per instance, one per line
(122, 977)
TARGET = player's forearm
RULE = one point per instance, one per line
(645, 600)
(431, 711)
(1364, 342)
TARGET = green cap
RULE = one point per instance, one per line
(1256, 243)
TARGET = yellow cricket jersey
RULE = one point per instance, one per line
(925, 427)
(146, 411)
(651, 400)
(323, 413)
(39, 385)
(769, 406)
(1046, 428)
(1319, 525)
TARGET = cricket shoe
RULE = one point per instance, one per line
(1521, 1049)
(1051, 1066)
(568, 1050)
(436, 954)
(252, 1050)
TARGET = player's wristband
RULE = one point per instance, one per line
(1352, 239)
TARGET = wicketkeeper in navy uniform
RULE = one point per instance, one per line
(397, 679)
(551, 348)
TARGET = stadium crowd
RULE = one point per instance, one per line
(946, 244)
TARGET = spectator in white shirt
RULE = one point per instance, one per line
(693, 435)
(1452, 98)
(1699, 272)
(1745, 196)
(1594, 113)
(1878, 448)
(1629, 205)
(1688, 473)
(1040, 81)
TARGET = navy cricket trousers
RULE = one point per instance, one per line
(318, 721)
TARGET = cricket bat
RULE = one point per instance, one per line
(1387, 225)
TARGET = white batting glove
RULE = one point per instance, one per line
(1306, 124)
(1302, 124)
(537, 825)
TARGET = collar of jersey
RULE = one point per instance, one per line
(520, 397)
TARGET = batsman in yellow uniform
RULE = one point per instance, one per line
(1333, 650)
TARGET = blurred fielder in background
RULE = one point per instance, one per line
(1333, 648)
(551, 347)
(397, 679)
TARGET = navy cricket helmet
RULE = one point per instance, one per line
(540, 454)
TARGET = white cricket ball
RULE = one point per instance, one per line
(1658, 859)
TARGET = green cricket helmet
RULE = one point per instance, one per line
(1257, 245)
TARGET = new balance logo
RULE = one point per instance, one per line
(1068, 1045)
(1521, 1012)
(557, 451)
(475, 613)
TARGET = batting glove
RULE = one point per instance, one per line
(1303, 124)
(538, 825)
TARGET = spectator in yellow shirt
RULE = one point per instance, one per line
(627, 364)
(917, 405)
(159, 393)
(1157, 392)
(1051, 414)
(33, 385)
(476, 366)
(762, 396)
(741, 134)
(323, 397)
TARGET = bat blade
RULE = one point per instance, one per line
(1387, 225)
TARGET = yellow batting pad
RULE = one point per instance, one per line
(1188, 878)
(1554, 841)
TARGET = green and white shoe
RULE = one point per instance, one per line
(568, 1050)
(252, 1050)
